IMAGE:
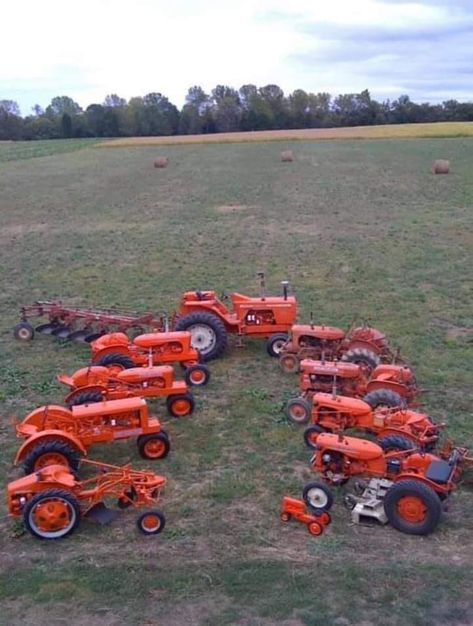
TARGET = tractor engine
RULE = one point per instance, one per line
(257, 317)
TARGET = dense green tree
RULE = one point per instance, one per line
(63, 104)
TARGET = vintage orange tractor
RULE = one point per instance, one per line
(364, 345)
(117, 352)
(209, 320)
(401, 427)
(387, 385)
(97, 383)
(52, 500)
(406, 489)
(56, 435)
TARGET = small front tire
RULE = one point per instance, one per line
(275, 344)
(298, 411)
(317, 496)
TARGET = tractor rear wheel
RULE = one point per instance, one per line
(151, 522)
(396, 443)
(367, 359)
(115, 360)
(85, 397)
(51, 452)
(180, 405)
(317, 496)
(298, 411)
(412, 507)
(154, 446)
(385, 397)
(197, 375)
(23, 331)
(310, 435)
(275, 344)
(51, 514)
(209, 335)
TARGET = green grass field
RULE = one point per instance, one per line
(361, 229)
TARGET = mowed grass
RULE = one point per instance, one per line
(361, 229)
(385, 131)
(19, 150)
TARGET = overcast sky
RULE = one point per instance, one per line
(91, 48)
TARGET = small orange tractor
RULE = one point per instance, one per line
(97, 383)
(52, 500)
(56, 435)
(209, 320)
(400, 427)
(405, 488)
(387, 385)
(117, 352)
(364, 345)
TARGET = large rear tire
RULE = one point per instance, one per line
(209, 335)
(51, 452)
(412, 507)
(366, 358)
(85, 397)
(115, 359)
(396, 443)
(51, 514)
(385, 397)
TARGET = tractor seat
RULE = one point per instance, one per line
(438, 472)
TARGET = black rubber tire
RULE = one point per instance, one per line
(215, 324)
(327, 502)
(312, 430)
(385, 397)
(394, 443)
(144, 530)
(170, 400)
(115, 358)
(275, 343)
(86, 397)
(362, 356)
(305, 410)
(23, 331)
(52, 445)
(414, 488)
(44, 495)
(197, 368)
(143, 440)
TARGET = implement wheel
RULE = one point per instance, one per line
(151, 522)
(412, 507)
(51, 514)
(23, 331)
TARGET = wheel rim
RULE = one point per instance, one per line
(181, 407)
(202, 337)
(317, 498)
(288, 363)
(278, 345)
(298, 413)
(52, 517)
(412, 509)
(24, 333)
(315, 528)
(154, 448)
(150, 523)
(197, 377)
(50, 458)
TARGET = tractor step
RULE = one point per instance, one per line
(101, 514)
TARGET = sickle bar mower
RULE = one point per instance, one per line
(52, 500)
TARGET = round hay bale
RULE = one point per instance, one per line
(161, 162)
(441, 166)
(287, 156)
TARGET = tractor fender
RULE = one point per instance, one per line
(364, 345)
(118, 348)
(32, 441)
(37, 417)
(86, 389)
(373, 385)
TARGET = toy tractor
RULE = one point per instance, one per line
(52, 500)
(400, 428)
(117, 352)
(209, 321)
(388, 385)
(406, 489)
(97, 383)
(56, 435)
(363, 345)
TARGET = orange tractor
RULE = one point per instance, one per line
(52, 500)
(363, 345)
(117, 352)
(97, 383)
(406, 489)
(401, 428)
(209, 320)
(56, 435)
(387, 385)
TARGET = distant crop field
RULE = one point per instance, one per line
(20, 150)
(362, 230)
(391, 131)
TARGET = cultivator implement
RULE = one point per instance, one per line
(82, 324)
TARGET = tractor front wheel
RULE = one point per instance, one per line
(311, 434)
(51, 452)
(289, 363)
(23, 331)
(208, 333)
(180, 405)
(317, 496)
(275, 344)
(151, 522)
(51, 514)
(412, 507)
(154, 446)
(385, 397)
(298, 411)
(197, 375)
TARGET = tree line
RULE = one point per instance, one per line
(225, 109)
